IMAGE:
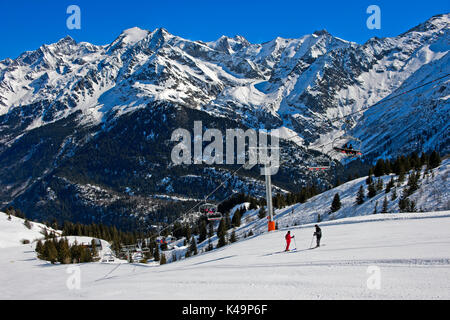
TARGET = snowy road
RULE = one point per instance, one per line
(413, 256)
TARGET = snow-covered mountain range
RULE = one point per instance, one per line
(68, 111)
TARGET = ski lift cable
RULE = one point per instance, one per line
(373, 105)
(198, 204)
(223, 183)
(187, 212)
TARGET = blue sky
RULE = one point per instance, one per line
(28, 24)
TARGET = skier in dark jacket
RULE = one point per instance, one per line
(288, 238)
(318, 235)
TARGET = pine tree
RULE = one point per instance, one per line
(401, 175)
(412, 206)
(394, 194)
(156, 255)
(187, 231)
(51, 253)
(387, 167)
(75, 252)
(202, 232)
(375, 208)
(233, 237)
(379, 168)
(360, 195)
(227, 221)
(210, 246)
(405, 161)
(372, 191)
(390, 185)
(86, 255)
(210, 230)
(43, 252)
(27, 224)
(236, 221)
(115, 246)
(163, 259)
(406, 205)
(221, 232)
(262, 213)
(253, 204)
(402, 204)
(369, 179)
(435, 160)
(417, 161)
(275, 201)
(413, 183)
(45, 233)
(64, 251)
(94, 248)
(193, 246)
(147, 255)
(336, 204)
(423, 159)
(379, 185)
(385, 205)
(39, 248)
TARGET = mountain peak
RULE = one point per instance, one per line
(67, 40)
(161, 30)
(128, 37)
(435, 23)
(230, 45)
(133, 35)
(160, 33)
(321, 32)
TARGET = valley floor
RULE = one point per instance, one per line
(412, 252)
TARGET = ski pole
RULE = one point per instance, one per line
(311, 241)
(295, 244)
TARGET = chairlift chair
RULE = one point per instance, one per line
(348, 151)
(209, 210)
(321, 163)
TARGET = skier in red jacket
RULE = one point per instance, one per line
(288, 238)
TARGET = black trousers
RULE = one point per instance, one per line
(318, 240)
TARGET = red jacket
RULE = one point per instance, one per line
(288, 237)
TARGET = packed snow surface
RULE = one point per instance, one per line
(13, 232)
(411, 251)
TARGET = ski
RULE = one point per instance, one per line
(323, 245)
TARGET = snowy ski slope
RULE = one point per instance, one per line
(432, 195)
(411, 250)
